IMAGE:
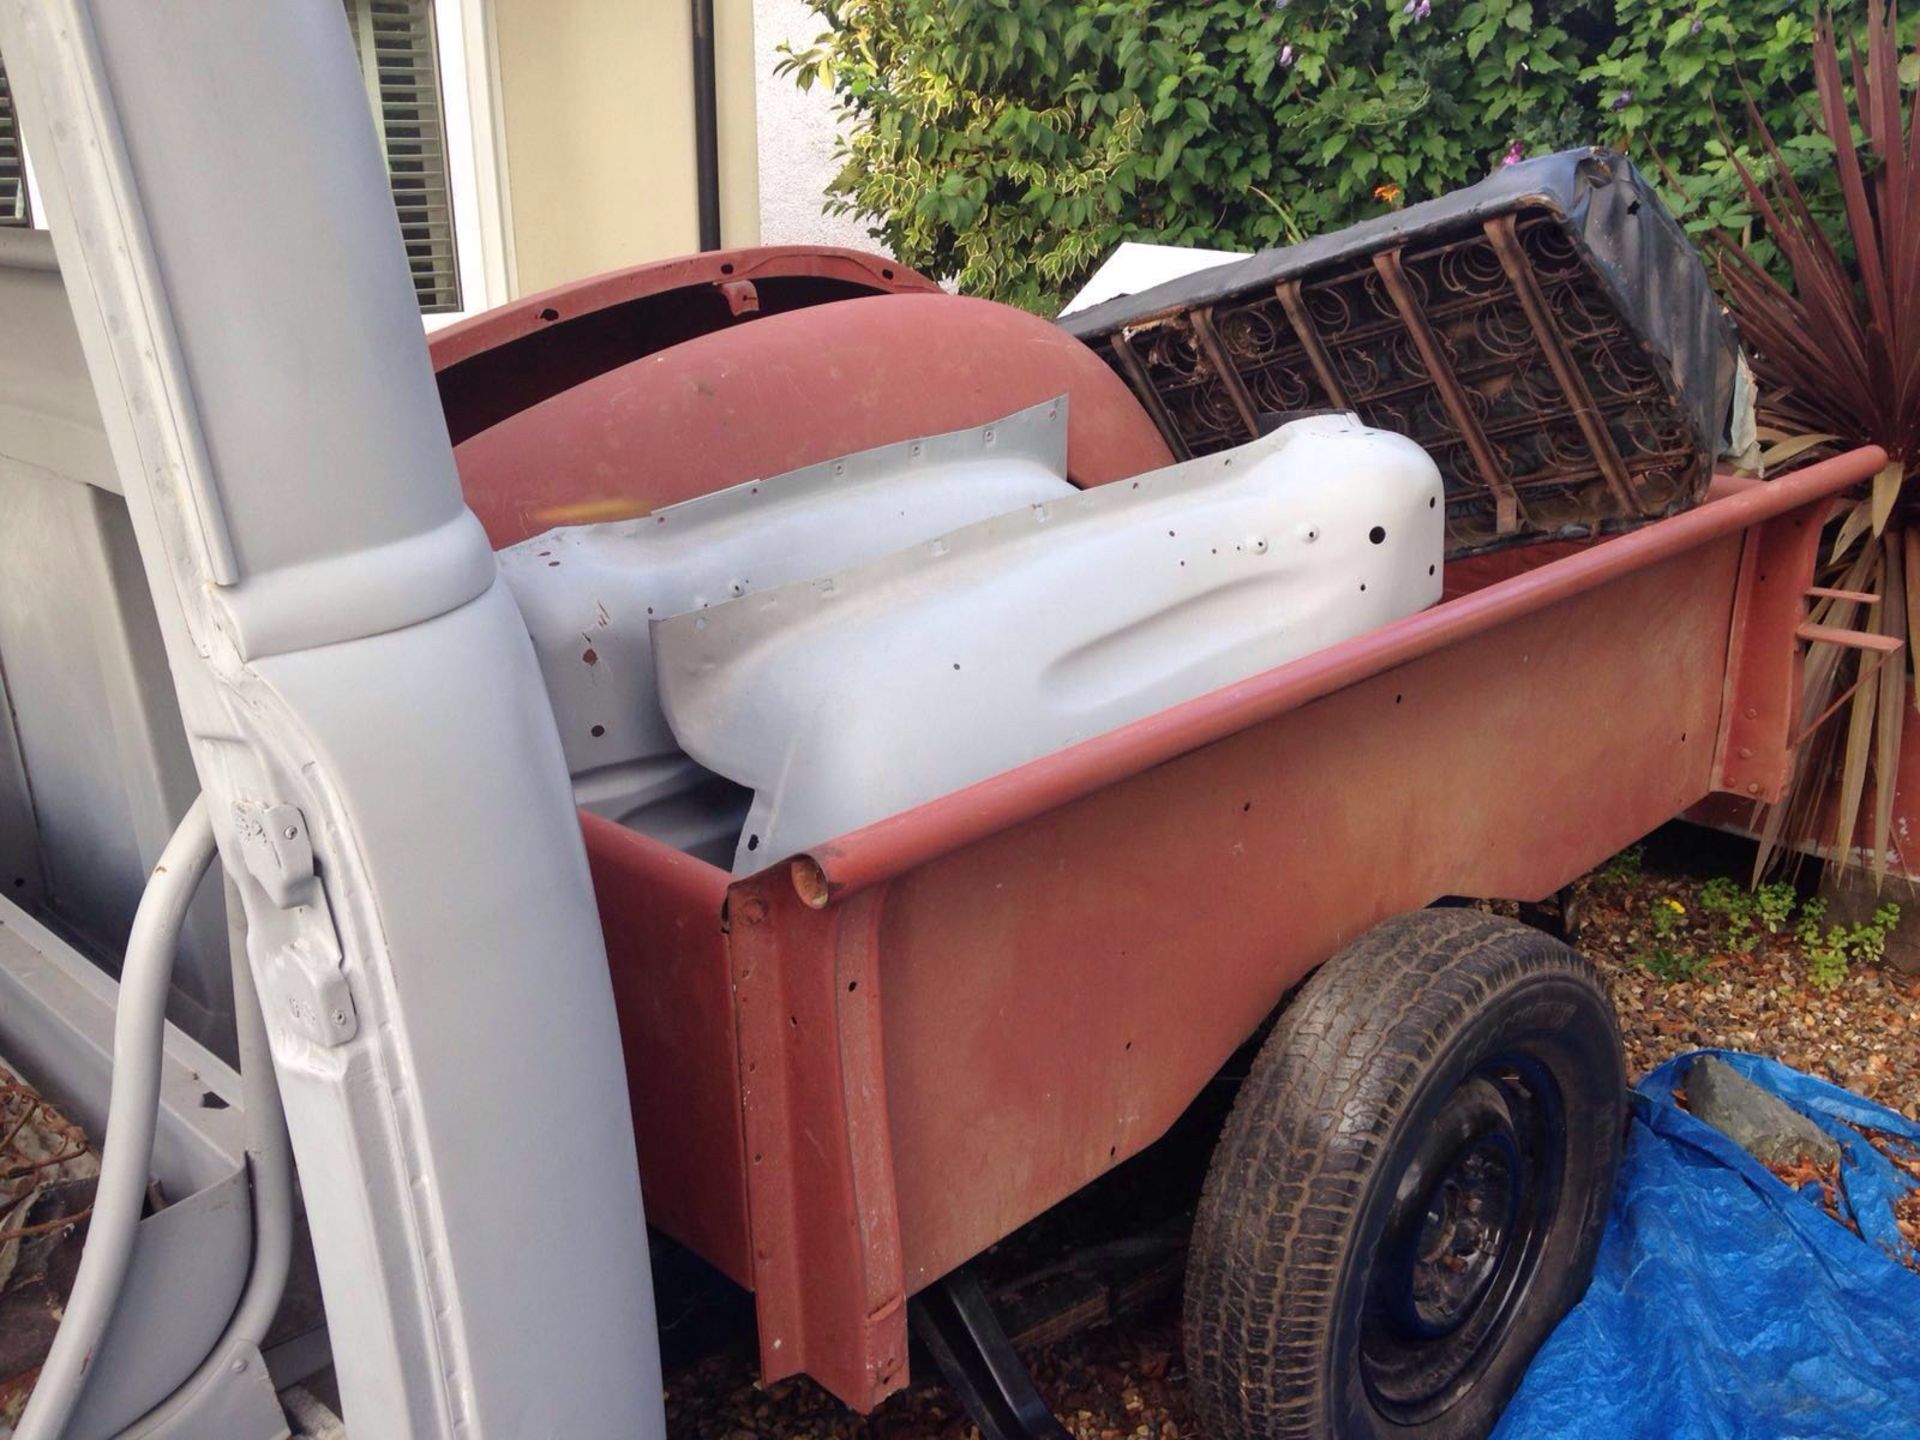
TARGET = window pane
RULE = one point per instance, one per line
(14, 208)
(395, 43)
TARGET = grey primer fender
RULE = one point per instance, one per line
(590, 592)
(843, 700)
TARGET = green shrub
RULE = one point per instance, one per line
(1010, 144)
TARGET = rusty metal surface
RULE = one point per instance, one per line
(663, 916)
(1754, 752)
(829, 1274)
(1003, 995)
(1153, 924)
(499, 362)
(788, 391)
(1157, 920)
(1507, 329)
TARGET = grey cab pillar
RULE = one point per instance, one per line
(363, 710)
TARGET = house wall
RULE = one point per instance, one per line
(797, 134)
(596, 117)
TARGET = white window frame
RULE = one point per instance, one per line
(463, 34)
(35, 210)
(464, 44)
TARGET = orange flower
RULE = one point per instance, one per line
(1388, 194)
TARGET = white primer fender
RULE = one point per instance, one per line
(590, 592)
(843, 700)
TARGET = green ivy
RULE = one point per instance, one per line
(1011, 144)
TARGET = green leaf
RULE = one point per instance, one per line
(1169, 153)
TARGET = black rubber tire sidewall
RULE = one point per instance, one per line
(1477, 988)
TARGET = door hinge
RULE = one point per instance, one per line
(294, 941)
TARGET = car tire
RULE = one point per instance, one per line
(1410, 1191)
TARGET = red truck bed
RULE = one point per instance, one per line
(854, 1071)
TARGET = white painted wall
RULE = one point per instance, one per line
(797, 132)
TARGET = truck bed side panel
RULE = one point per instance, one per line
(1056, 994)
(667, 950)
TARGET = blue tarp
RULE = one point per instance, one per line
(1725, 1304)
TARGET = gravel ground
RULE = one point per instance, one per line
(1127, 1379)
(1863, 1034)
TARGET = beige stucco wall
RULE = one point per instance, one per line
(596, 118)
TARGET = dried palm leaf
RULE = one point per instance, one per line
(1836, 355)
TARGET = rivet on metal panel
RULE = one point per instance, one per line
(752, 910)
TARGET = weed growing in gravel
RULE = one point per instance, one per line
(1673, 964)
(1747, 914)
(1832, 949)
(1625, 866)
(1738, 921)
(1673, 958)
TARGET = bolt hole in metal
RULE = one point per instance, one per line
(1469, 1217)
(549, 314)
(1378, 535)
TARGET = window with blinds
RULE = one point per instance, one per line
(14, 206)
(395, 42)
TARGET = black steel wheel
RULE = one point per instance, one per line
(1411, 1188)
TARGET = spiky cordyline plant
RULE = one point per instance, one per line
(1837, 361)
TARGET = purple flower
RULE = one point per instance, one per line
(1516, 152)
(1623, 99)
(1286, 57)
(1418, 9)
(1696, 27)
